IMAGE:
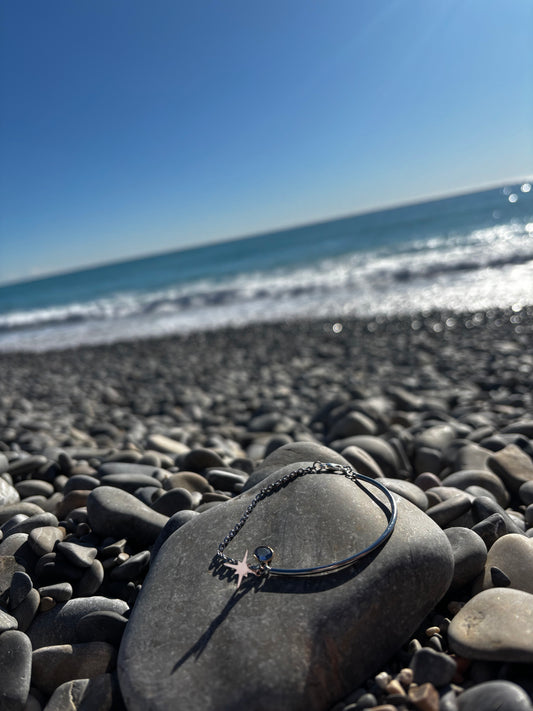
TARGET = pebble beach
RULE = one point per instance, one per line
(122, 465)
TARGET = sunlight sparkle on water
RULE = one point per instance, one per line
(526, 187)
(513, 197)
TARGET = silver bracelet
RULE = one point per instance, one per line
(264, 554)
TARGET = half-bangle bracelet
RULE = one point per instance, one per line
(264, 554)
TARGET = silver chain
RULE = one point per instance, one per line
(315, 468)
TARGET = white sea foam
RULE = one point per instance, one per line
(490, 267)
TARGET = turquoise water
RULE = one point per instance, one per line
(470, 251)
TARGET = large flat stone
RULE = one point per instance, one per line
(496, 624)
(291, 643)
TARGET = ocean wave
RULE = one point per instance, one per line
(489, 267)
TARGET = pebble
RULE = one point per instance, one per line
(191, 481)
(433, 667)
(57, 664)
(27, 609)
(469, 555)
(58, 626)
(44, 538)
(129, 482)
(490, 529)
(495, 696)
(513, 466)
(199, 459)
(8, 566)
(483, 507)
(173, 501)
(101, 626)
(8, 493)
(483, 478)
(513, 556)
(100, 693)
(526, 492)
(34, 487)
(22, 507)
(448, 511)
(424, 697)
(78, 554)
(21, 584)
(496, 624)
(408, 490)
(133, 568)
(114, 512)
(176, 521)
(7, 621)
(329, 503)
(15, 670)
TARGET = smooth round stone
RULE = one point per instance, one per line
(469, 456)
(98, 694)
(408, 490)
(483, 507)
(495, 696)
(91, 580)
(293, 454)
(58, 626)
(427, 480)
(436, 437)
(43, 519)
(81, 482)
(55, 665)
(176, 521)
(197, 460)
(427, 460)
(34, 487)
(362, 462)
(21, 584)
(513, 466)
(73, 500)
(8, 493)
(432, 667)
(496, 624)
(526, 492)
(225, 480)
(351, 425)
(133, 568)
(79, 555)
(26, 465)
(129, 482)
(173, 501)
(128, 468)
(482, 477)
(381, 451)
(14, 545)
(44, 538)
(60, 592)
(22, 507)
(13, 522)
(469, 555)
(8, 566)
(114, 512)
(27, 609)
(191, 481)
(490, 529)
(513, 555)
(167, 445)
(450, 510)
(287, 638)
(101, 626)
(7, 621)
(15, 670)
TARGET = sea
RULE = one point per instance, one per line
(469, 252)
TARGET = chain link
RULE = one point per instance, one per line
(315, 468)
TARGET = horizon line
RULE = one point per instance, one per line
(263, 232)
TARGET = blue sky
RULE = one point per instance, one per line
(129, 127)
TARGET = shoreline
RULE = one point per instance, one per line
(179, 425)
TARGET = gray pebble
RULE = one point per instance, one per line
(15, 670)
(469, 555)
(433, 667)
(495, 696)
(173, 501)
(21, 584)
(101, 626)
(58, 626)
(57, 664)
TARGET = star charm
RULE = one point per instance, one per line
(241, 568)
